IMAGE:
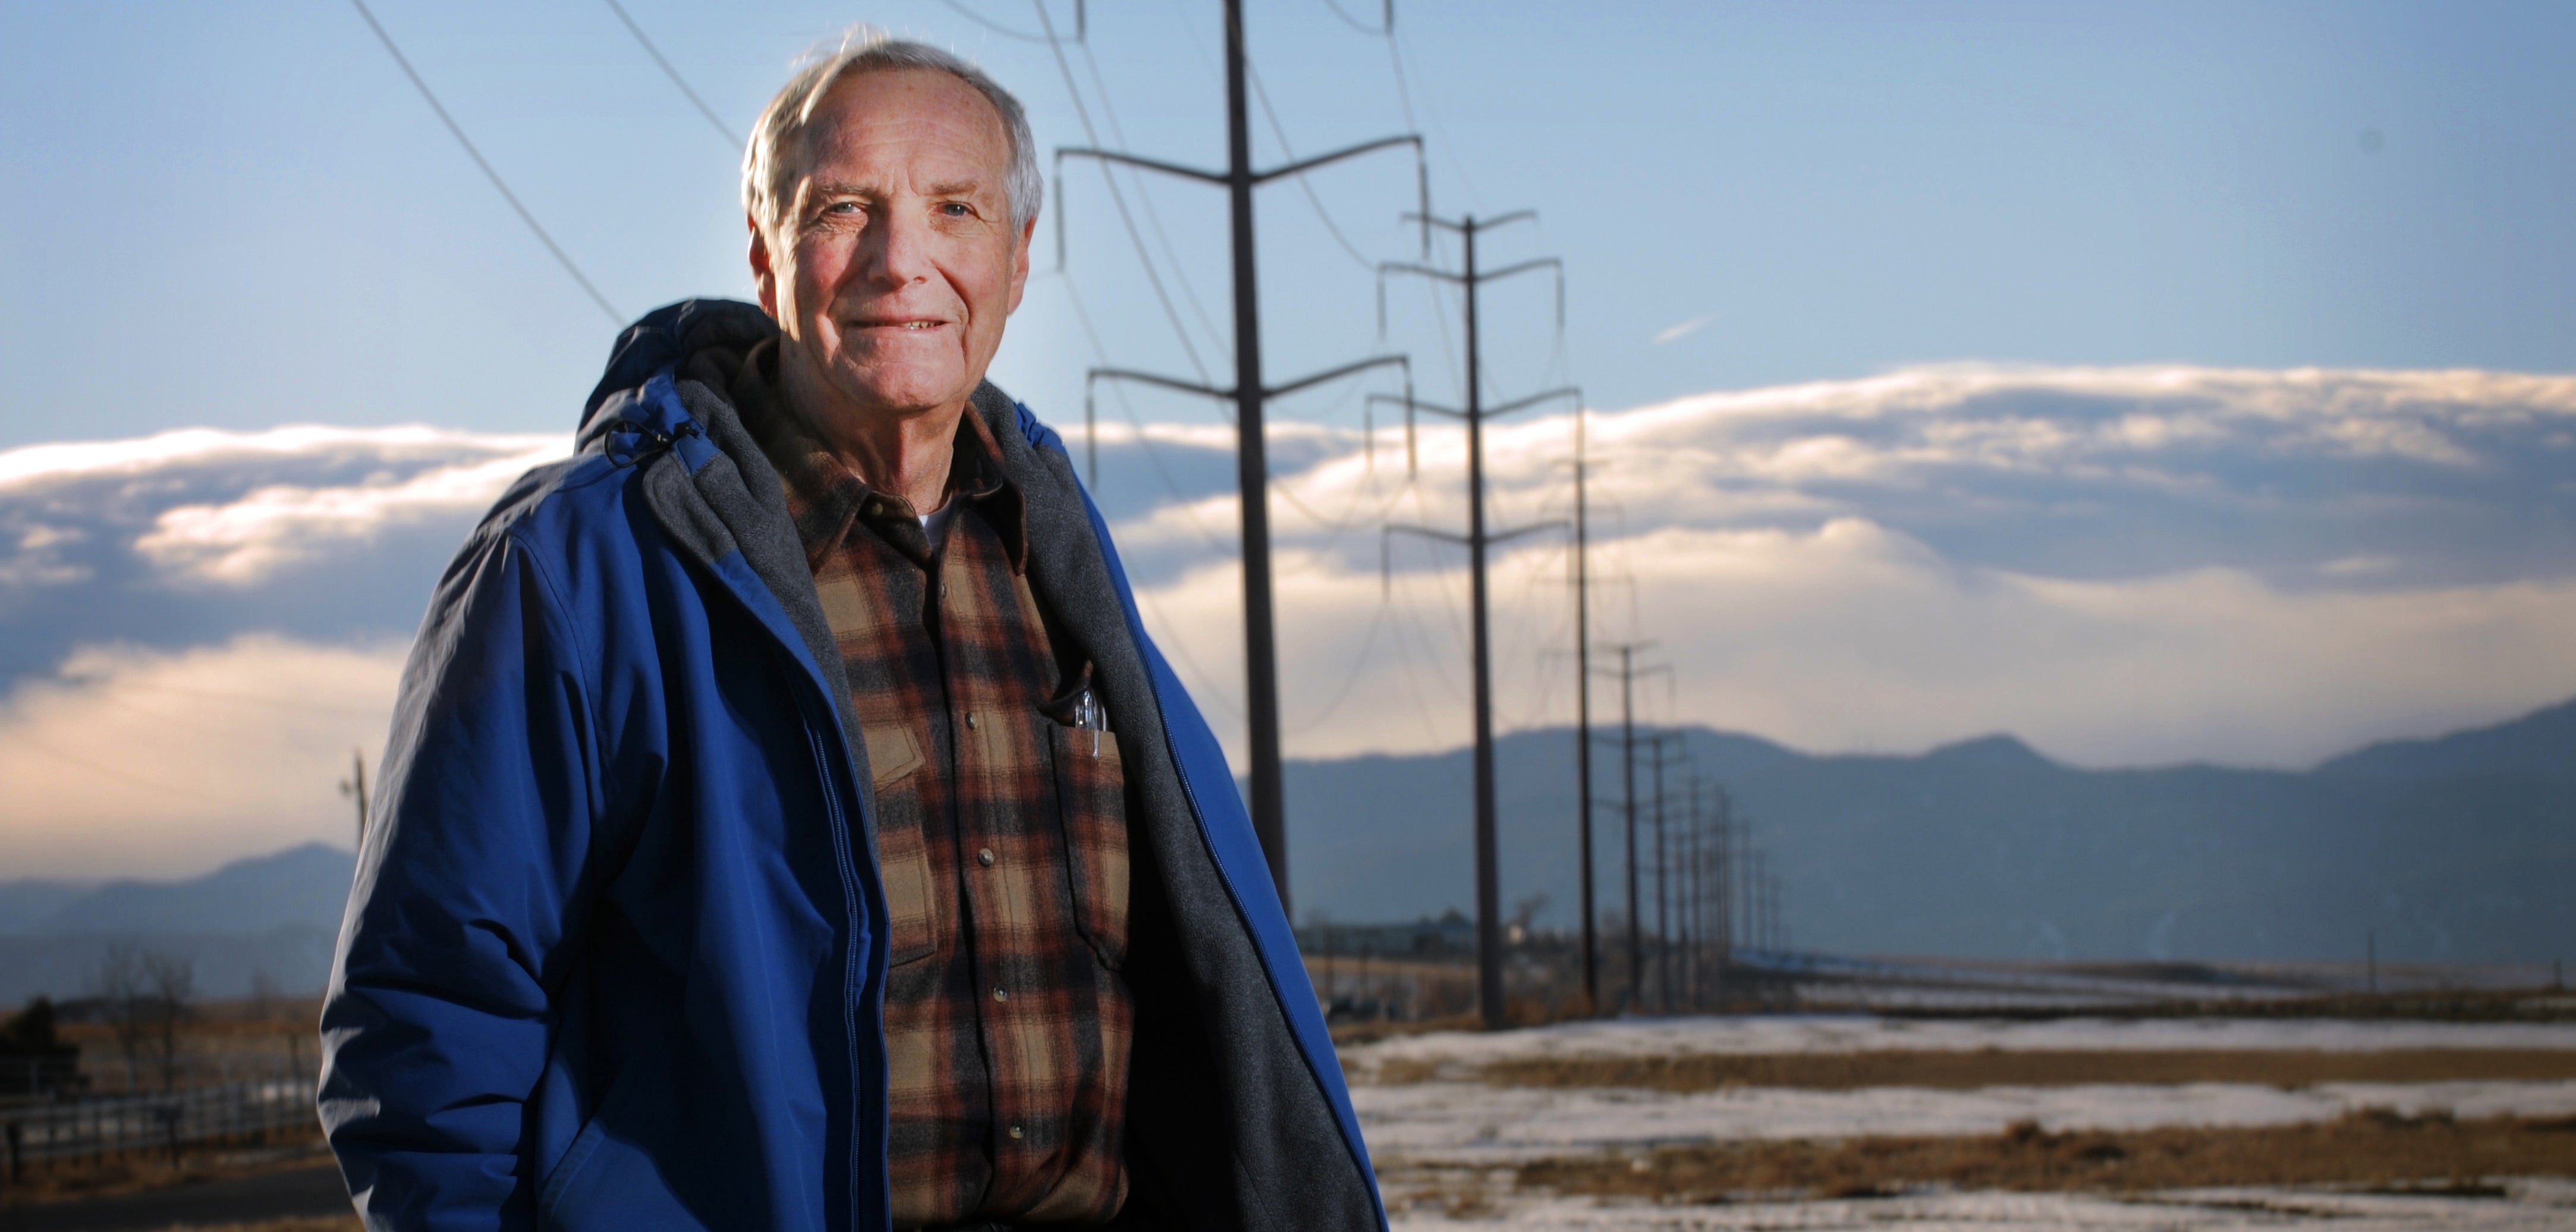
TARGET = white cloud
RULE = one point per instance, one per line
(232, 508)
(40, 465)
(240, 542)
(2122, 566)
(1675, 333)
(1853, 637)
(136, 762)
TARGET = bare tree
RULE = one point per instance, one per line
(172, 981)
(1523, 915)
(120, 984)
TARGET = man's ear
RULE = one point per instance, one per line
(1020, 265)
(764, 272)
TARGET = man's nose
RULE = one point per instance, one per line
(897, 249)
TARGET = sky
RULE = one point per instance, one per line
(2155, 382)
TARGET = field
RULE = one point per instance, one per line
(1840, 1121)
(1825, 1122)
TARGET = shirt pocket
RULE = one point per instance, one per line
(903, 852)
(1091, 804)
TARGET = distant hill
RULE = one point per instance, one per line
(2461, 848)
(300, 885)
(2541, 743)
(2456, 849)
(275, 916)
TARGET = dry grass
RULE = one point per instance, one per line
(1960, 1071)
(67, 1181)
(317, 1223)
(2369, 1147)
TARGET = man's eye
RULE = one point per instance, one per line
(955, 209)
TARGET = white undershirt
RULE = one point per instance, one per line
(934, 525)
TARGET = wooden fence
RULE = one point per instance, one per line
(92, 1127)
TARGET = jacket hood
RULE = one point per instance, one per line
(665, 338)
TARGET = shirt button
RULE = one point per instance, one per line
(874, 508)
(1001, 994)
(1015, 1132)
(970, 720)
(985, 857)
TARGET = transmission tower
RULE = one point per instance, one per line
(1248, 394)
(1469, 278)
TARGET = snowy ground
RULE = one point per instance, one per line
(1465, 1123)
(1460, 1053)
(2525, 1205)
(1452, 1138)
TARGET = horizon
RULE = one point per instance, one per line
(103, 880)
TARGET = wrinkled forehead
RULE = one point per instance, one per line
(917, 119)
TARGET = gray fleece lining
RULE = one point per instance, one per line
(1292, 1169)
(740, 489)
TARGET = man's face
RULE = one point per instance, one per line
(893, 265)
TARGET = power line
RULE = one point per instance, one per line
(561, 257)
(995, 26)
(1387, 21)
(1377, 620)
(1116, 197)
(1145, 201)
(1279, 132)
(130, 779)
(1188, 507)
(674, 74)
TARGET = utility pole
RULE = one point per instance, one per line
(1723, 879)
(1691, 886)
(1583, 711)
(355, 788)
(1663, 918)
(1268, 804)
(1628, 809)
(1489, 936)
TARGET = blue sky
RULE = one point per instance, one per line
(240, 215)
(2157, 383)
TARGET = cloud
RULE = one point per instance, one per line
(245, 541)
(1675, 333)
(2121, 565)
(129, 761)
(1855, 637)
(195, 537)
(2451, 477)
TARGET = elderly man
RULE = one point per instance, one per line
(787, 822)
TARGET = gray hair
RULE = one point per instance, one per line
(777, 150)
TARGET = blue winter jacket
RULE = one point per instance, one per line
(616, 952)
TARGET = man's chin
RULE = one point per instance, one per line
(905, 391)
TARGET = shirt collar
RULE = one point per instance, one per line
(824, 496)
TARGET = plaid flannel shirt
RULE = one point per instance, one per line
(1001, 831)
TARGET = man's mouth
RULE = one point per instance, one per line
(904, 324)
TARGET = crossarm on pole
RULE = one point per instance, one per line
(1149, 164)
(1385, 558)
(1090, 417)
(1309, 164)
(1563, 391)
(1374, 361)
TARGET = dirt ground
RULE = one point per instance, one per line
(1970, 1070)
(2372, 1147)
(124, 1174)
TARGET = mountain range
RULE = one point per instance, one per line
(2461, 849)
(2456, 849)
